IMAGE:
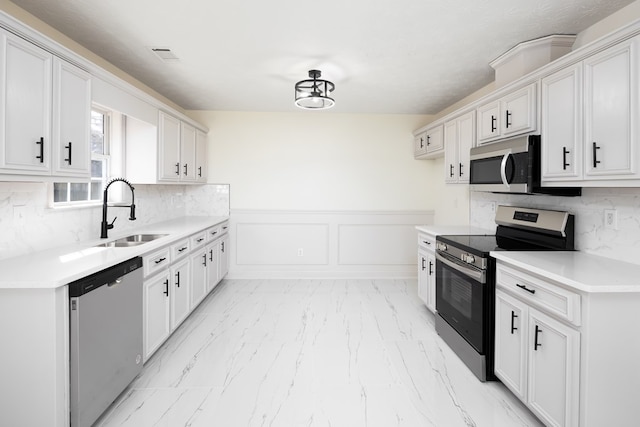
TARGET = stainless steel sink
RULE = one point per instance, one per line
(132, 240)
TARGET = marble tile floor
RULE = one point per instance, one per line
(312, 353)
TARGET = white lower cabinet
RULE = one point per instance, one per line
(180, 293)
(427, 270)
(199, 270)
(157, 317)
(537, 357)
(224, 256)
(213, 265)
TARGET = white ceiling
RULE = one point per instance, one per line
(385, 56)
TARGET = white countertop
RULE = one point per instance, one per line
(581, 271)
(58, 266)
(436, 230)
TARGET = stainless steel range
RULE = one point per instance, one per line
(465, 278)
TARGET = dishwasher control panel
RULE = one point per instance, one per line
(105, 277)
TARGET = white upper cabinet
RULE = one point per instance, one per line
(510, 115)
(611, 108)
(589, 120)
(47, 108)
(71, 120)
(188, 152)
(459, 138)
(429, 143)
(168, 148)
(201, 156)
(25, 128)
(562, 124)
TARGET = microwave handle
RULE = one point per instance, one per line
(503, 169)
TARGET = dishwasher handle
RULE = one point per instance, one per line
(109, 276)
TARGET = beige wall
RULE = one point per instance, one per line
(318, 161)
(614, 21)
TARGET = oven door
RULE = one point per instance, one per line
(462, 296)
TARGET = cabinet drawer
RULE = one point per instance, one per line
(180, 249)
(540, 293)
(198, 239)
(156, 261)
(426, 241)
(224, 227)
(213, 233)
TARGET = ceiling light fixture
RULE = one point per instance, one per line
(313, 94)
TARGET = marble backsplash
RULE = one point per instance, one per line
(28, 224)
(591, 235)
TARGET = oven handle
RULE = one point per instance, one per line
(478, 276)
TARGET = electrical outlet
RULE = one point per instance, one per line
(300, 252)
(611, 219)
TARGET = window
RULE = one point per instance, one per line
(83, 193)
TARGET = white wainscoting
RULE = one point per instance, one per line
(303, 244)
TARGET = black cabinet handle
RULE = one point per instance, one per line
(450, 170)
(185, 169)
(430, 268)
(508, 123)
(178, 169)
(494, 119)
(166, 287)
(564, 158)
(41, 144)
(68, 147)
(428, 140)
(536, 344)
(225, 227)
(204, 259)
(213, 233)
(424, 267)
(460, 169)
(222, 244)
(427, 243)
(182, 249)
(595, 155)
(200, 171)
(421, 142)
(199, 240)
(158, 261)
(211, 255)
(177, 278)
(532, 291)
(513, 318)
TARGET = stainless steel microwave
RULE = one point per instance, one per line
(511, 166)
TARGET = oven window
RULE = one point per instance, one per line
(457, 292)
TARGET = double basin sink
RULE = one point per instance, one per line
(132, 240)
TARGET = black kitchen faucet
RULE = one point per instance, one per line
(132, 215)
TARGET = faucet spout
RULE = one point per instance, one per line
(104, 226)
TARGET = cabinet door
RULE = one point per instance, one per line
(156, 310)
(180, 293)
(25, 145)
(451, 151)
(466, 141)
(611, 99)
(423, 276)
(420, 144)
(71, 119)
(519, 111)
(554, 362)
(199, 262)
(168, 148)
(213, 265)
(188, 152)
(488, 121)
(431, 281)
(224, 256)
(510, 343)
(201, 156)
(435, 139)
(562, 125)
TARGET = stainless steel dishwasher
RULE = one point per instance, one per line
(105, 338)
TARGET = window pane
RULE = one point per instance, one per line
(60, 191)
(79, 191)
(97, 132)
(96, 190)
(97, 169)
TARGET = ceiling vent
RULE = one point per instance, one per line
(529, 56)
(165, 54)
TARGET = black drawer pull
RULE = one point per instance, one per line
(178, 279)
(158, 261)
(536, 344)
(532, 291)
(166, 287)
(199, 240)
(182, 249)
(204, 259)
(513, 318)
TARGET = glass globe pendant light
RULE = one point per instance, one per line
(313, 94)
